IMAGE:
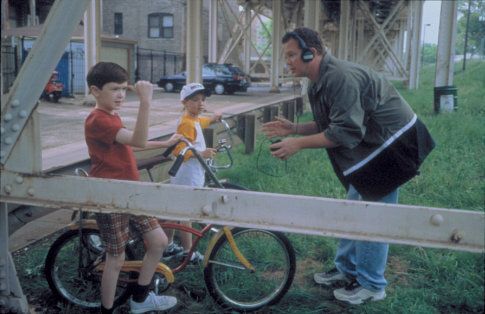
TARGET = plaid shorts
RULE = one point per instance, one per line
(115, 229)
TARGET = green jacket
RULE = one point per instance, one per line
(373, 126)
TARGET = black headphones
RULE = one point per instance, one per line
(306, 53)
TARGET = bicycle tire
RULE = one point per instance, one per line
(77, 285)
(240, 289)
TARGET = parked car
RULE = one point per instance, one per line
(219, 78)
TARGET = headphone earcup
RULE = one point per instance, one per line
(306, 55)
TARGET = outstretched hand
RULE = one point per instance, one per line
(279, 127)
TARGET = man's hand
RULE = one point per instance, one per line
(285, 148)
(279, 127)
(144, 90)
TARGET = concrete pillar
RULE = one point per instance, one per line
(417, 16)
(92, 36)
(212, 31)
(194, 58)
(446, 44)
(344, 27)
(247, 39)
(32, 15)
(276, 43)
(311, 11)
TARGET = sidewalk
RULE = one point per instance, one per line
(62, 136)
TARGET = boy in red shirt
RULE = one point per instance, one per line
(109, 146)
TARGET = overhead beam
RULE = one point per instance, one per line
(37, 69)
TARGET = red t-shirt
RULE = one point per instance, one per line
(109, 159)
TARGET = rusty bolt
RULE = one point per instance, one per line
(15, 103)
(19, 180)
(23, 114)
(8, 117)
(456, 236)
(224, 198)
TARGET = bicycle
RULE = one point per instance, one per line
(236, 262)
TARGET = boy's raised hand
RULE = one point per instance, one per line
(144, 90)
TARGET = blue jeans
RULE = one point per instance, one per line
(363, 260)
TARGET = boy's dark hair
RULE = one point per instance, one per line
(309, 36)
(106, 72)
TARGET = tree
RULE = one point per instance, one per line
(476, 27)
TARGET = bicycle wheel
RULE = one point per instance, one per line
(77, 281)
(235, 287)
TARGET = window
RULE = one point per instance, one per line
(160, 25)
(118, 23)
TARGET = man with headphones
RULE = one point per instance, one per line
(373, 138)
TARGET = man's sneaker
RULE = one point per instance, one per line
(172, 249)
(330, 277)
(354, 293)
(153, 302)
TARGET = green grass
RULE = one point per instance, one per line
(420, 280)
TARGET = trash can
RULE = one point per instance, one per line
(445, 99)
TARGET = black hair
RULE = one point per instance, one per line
(309, 37)
(106, 72)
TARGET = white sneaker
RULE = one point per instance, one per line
(354, 293)
(195, 258)
(153, 302)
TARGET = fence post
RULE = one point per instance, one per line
(269, 113)
(250, 133)
(151, 65)
(299, 106)
(289, 110)
(164, 62)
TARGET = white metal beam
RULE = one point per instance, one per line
(413, 225)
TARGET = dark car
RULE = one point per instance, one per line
(219, 78)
